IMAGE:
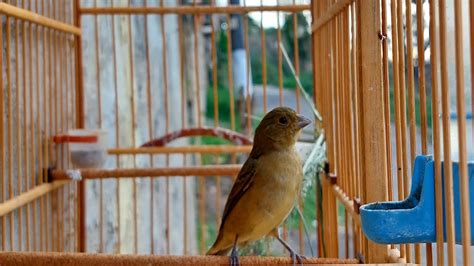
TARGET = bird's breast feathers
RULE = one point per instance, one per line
(280, 168)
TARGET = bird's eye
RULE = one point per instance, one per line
(283, 120)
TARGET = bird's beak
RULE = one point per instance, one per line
(303, 121)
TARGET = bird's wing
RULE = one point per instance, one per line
(242, 184)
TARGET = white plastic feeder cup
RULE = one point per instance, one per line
(87, 147)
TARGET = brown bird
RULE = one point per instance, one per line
(266, 187)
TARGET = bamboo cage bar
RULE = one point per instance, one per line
(192, 9)
(411, 110)
(347, 202)
(436, 135)
(9, 130)
(132, 122)
(422, 93)
(99, 110)
(461, 113)
(208, 170)
(280, 69)
(370, 87)
(18, 129)
(330, 13)
(167, 118)
(29, 168)
(448, 171)
(150, 124)
(386, 87)
(3, 147)
(31, 195)
(471, 42)
(33, 17)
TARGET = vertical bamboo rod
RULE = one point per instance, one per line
(229, 73)
(59, 122)
(354, 173)
(298, 109)
(461, 114)
(216, 114)
(421, 75)
(398, 135)
(296, 59)
(201, 182)
(317, 97)
(183, 125)
(343, 128)
(331, 200)
(51, 112)
(370, 81)
(167, 118)
(247, 94)
(38, 122)
(117, 132)
(411, 81)
(44, 146)
(10, 129)
(337, 86)
(386, 88)
(214, 70)
(402, 96)
(411, 103)
(422, 91)
(132, 100)
(67, 86)
(197, 66)
(150, 131)
(279, 58)
(99, 107)
(264, 60)
(448, 171)
(20, 175)
(26, 165)
(337, 99)
(348, 105)
(471, 34)
(3, 146)
(62, 86)
(81, 208)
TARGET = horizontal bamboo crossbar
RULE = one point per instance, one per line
(72, 259)
(33, 17)
(329, 14)
(29, 196)
(208, 170)
(183, 149)
(190, 9)
(348, 204)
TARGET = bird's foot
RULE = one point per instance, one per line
(234, 258)
(296, 257)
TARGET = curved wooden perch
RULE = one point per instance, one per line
(232, 136)
(55, 258)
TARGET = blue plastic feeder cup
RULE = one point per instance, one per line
(413, 220)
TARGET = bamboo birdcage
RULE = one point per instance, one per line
(143, 69)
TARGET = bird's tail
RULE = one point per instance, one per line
(217, 248)
(218, 252)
